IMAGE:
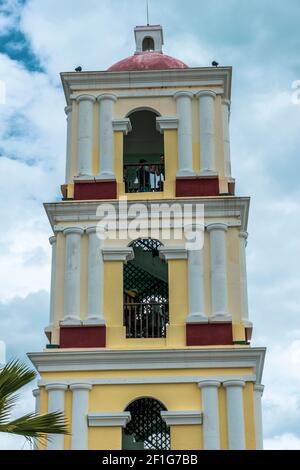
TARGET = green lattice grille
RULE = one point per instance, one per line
(146, 424)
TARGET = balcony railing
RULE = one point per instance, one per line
(144, 177)
(146, 320)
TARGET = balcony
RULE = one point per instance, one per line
(148, 320)
(144, 177)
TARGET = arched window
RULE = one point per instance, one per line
(148, 44)
(146, 429)
(146, 292)
(144, 166)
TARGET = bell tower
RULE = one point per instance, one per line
(149, 335)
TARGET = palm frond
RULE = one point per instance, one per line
(13, 377)
(37, 427)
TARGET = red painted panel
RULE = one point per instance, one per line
(208, 334)
(197, 186)
(82, 337)
(231, 188)
(94, 190)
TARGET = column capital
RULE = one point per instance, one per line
(107, 96)
(85, 97)
(209, 383)
(209, 93)
(52, 240)
(68, 109)
(226, 102)
(55, 387)
(259, 388)
(79, 386)
(36, 392)
(73, 230)
(243, 235)
(183, 94)
(234, 383)
(91, 230)
(217, 226)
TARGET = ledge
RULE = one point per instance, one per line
(108, 419)
(158, 359)
(172, 252)
(122, 125)
(118, 254)
(177, 418)
(166, 123)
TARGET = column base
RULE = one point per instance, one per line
(222, 317)
(197, 318)
(94, 321)
(209, 334)
(71, 321)
(82, 336)
(194, 186)
(95, 190)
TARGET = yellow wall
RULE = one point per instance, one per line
(175, 397)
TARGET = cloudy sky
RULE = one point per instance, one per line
(260, 39)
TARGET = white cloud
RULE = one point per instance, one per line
(265, 147)
(283, 442)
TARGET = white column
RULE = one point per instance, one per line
(37, 395)
(226, 137)
(95, 279)
(85, 135)
(52, 241)
(80, 408)
(207, 131)
(185, 133)
(68, 177)
(56, 402)
(196, 287)
(106, 136)
(218, 260)
(243, 276)
(258, 393)
(72, 276)
(210, 406)
(235, 414)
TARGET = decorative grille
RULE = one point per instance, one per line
(146, 424)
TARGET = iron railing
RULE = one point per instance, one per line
(144, 177)
(146, 320)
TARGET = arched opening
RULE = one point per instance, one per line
(146, 429)
(146, 292)
(144, 165)
(148, 44)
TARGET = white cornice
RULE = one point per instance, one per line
(186, 379)
(198, 76)
(67, 212)
(157, 359)
(185, 417)
(108, 419)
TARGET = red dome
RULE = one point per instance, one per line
(147, 61)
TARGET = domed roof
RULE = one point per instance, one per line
(147, 61)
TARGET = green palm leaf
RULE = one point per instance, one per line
(13, 377)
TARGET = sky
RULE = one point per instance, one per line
(260, 39)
